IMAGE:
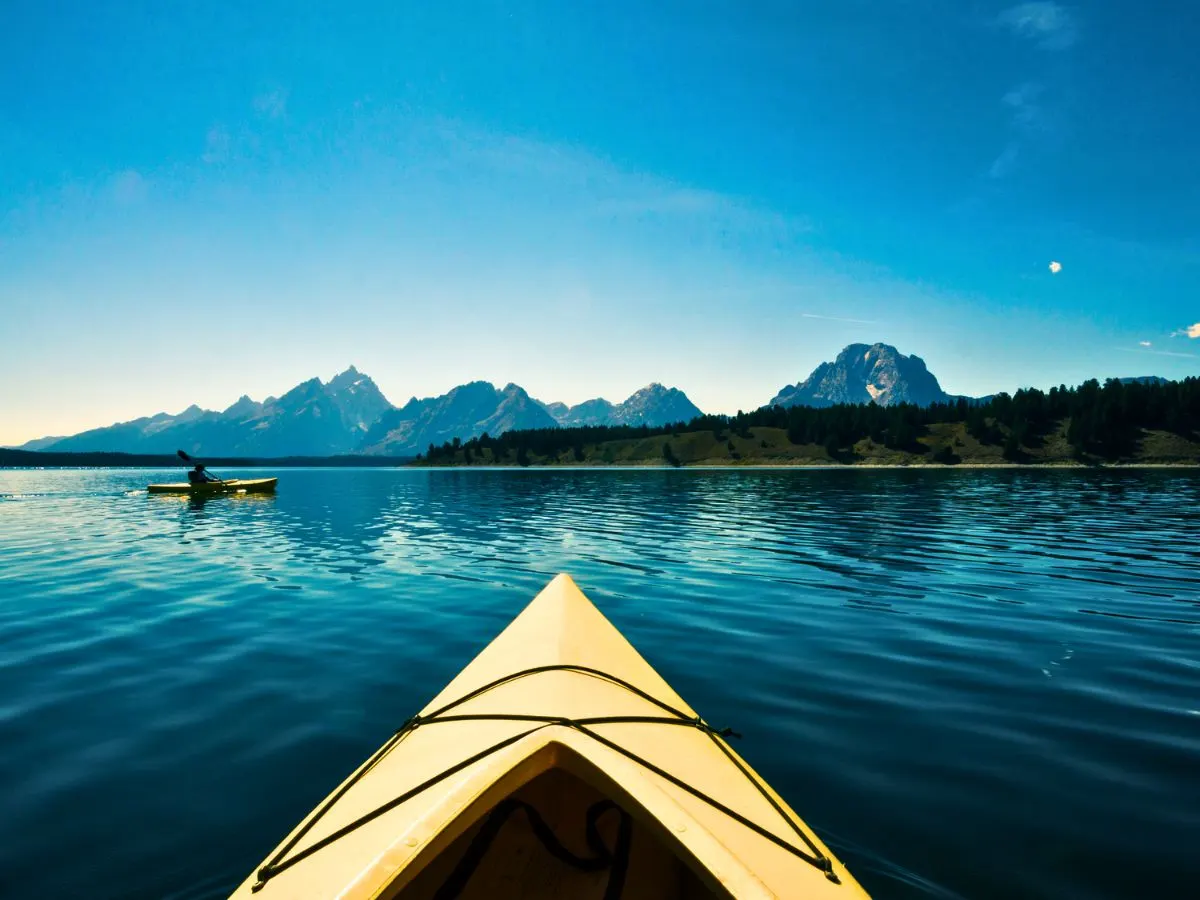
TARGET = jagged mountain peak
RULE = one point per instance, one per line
(242, 406)
(863, 373)
(191, 412)
(309, 388)
(351, 376)
(465, 411)
(654, 404)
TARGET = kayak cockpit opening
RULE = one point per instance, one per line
(557, 836)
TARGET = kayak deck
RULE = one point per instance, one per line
(231, 486)
(557, 764)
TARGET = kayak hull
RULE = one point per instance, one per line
(232, 486)
(559, 721)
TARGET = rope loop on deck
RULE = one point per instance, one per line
(810, 852)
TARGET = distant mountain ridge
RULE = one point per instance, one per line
(1145, 379)
(652, 405)
(39, 443)
(865, 373)
(312, 419)
(350, 415)
(465, 412)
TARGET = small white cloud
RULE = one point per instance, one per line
(1190, 331)
(1055, 267)
(272, 103)
(1145, 344)
(128, 187)
(216, 145)
(1049, 25)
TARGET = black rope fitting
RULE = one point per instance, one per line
(812, 855)
(263, 874)
(708, 729)
(827, 868)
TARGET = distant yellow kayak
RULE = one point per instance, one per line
(558, 764)
(232, 486)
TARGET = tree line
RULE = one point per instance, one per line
(1104, 421)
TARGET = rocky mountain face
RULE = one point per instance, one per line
(556, 410)
(863, 373)
(466, 412)
(360, 402)
(312, 419)
(589, 412)
(656, 405)
(652, 405)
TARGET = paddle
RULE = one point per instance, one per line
(191, 462)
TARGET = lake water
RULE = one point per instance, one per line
(975, 684)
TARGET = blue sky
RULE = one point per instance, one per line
(199, 200)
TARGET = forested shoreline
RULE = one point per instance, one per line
(1088, 424)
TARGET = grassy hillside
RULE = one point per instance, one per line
(945, 443)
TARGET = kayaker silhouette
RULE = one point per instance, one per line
(199, 475)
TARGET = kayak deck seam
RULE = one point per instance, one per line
(813, 855)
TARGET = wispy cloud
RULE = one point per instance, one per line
(1049, 25)
(1024, 103)
(1157, 352)
(1004, 163)
(660, 199)
(1027, 118)
(839, 319)
(272, 104)
(128, 187)
(1145, 344)
(606, 188)
(1190, 331)
(216, 145)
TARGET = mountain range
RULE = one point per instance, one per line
(652, 405)
(467, 411)
(313, 418)
(349, 414)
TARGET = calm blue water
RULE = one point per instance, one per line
(976, 684)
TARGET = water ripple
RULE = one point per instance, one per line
(978, 684)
